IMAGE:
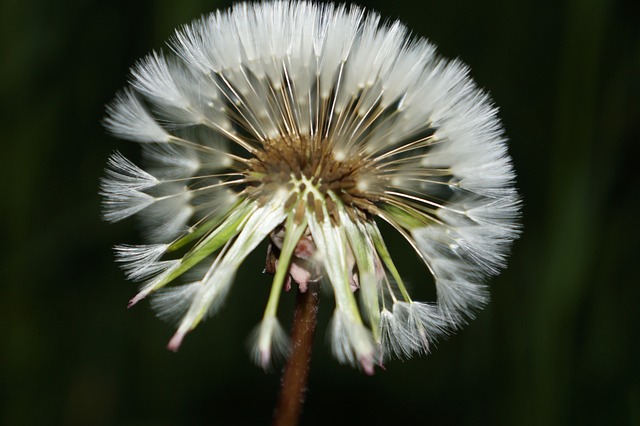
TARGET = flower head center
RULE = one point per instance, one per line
(314, 172)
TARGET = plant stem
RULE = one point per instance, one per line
(296, 371)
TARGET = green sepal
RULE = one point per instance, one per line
(382, 250)
(364, 254)
(214, 241)
(293, 233)
(409, 218)
(202, 229)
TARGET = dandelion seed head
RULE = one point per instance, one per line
(307, 125)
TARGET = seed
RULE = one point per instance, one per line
(318, 211)
(310, 200)
(290, 201)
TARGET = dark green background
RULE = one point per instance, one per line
(559, 343)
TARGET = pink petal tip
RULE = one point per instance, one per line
(367, 366)
(138, 297)
(175, 342)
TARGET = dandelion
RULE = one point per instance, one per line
(309, 125)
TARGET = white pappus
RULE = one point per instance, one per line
(307, 125)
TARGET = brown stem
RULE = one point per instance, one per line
(296, 371)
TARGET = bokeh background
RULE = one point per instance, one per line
(559, 343)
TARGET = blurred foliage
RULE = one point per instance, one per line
(559, 343)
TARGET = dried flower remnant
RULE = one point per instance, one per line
(306, 125)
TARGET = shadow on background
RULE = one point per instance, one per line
(558, 344)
